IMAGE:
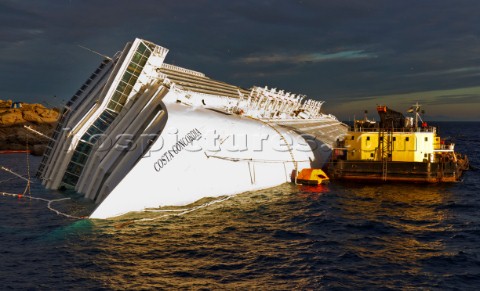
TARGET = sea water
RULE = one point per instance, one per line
(344, 235)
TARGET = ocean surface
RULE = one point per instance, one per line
(339, 236)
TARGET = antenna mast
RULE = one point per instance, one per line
(95, 52)
(416, 110)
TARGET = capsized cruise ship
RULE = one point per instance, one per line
(141, 133)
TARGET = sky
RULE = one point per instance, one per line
(352, 54)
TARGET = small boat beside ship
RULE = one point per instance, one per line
(398, 148)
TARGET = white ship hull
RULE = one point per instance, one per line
(252, 156)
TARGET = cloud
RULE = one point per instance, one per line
(465, 70)
(307, 57)
(458, 98)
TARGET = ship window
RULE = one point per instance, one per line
(353, 137)
(148, 52)
(131, 68)
(381, 138)
(425, 155)
(116, 96)
(132, 81)
(92, 130)
(128, 89)
(118, 108)
(121, 86)
(70, 179)
(142, 61)
(407, 138)
(137, 70)
(426, 139)
(394, 138)
(108, 116)
(111, 105)
(371, 155)
(83, 148)
(141, 48)
(134, 69)
(79, 158)
(74, 168)
(126, 77)
(100, 124)
(115, 106)
(95, 138)
(136, 58)
(389, 155)
(123, 99)
(368, 138)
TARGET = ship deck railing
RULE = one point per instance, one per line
(403, 129)
(445, 148)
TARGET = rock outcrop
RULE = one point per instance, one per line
(27, 113)
(13, 135)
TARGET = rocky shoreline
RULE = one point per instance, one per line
(15, 115)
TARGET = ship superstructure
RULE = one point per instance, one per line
(142, 133)
(396, 149)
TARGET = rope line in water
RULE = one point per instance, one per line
(27, 188)
(13, 173)
(165, 210)
(8, 180)
(49, 203)
(182, 211)
(251, 160)
(27, 191)
(37, 132)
